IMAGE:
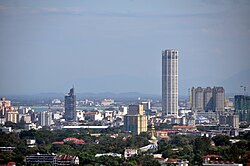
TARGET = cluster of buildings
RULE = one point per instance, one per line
(208, 99)
(211, 103)
(7, 112)
(206, 106)
(24, 115)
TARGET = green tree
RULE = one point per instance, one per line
(201, 145)
(86, 158)
(221, 140)
(180, 140)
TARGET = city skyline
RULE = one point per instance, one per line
(116, 46)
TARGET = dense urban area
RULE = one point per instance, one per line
(208, 129)
(124, 83)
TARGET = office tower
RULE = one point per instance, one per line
(197, 99)
(170, 82)
(70, 105)
(135, 121)
(242, 107)
(208, 102)
(218, 99)
(45, 118)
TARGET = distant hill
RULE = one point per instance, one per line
(117, 96)
(233, 83)
(96, 96)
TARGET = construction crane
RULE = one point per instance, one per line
(244, 89)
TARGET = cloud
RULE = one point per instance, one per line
(45, 10)
(104, 13)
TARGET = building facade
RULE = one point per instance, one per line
(229, 120)
(242, 107)
(197, 98)
(170, 82)
(208, 99)
(135, 121)
(70, 106)
(45, 118)
(218, 99)
(12, 116)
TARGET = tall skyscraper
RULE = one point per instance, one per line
(170, 82)
(70, 106)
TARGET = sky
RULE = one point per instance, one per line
(115, 46)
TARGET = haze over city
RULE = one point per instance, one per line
(116, 46)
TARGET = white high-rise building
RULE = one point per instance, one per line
(170, 82)
(45, 118)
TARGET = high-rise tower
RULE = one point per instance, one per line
(135, 121)
(170, 82)
(218, 99)
(70, 105)
(208, 99)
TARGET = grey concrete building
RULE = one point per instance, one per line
(218, 99)
(208, 99)
(170, 82)
(197, 99)
(45, 118)
(70, 105)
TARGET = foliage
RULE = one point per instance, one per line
(163, 126)
(180, 140)
(201, 145)
(179, 146)
(221, 140)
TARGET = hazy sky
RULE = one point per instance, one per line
(115, 46)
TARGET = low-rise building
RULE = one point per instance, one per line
(39, 158)
(185, 128)
(29, 126)
(7, 149)
(93, 116)
(31, 143)
(26, 118)
(109, 154)
(6, 129)
(215, 160)
(130, 152)
(64, 160)
(177, 162)
(107, 102)
(55, 160)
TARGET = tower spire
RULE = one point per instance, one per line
(153, 138)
